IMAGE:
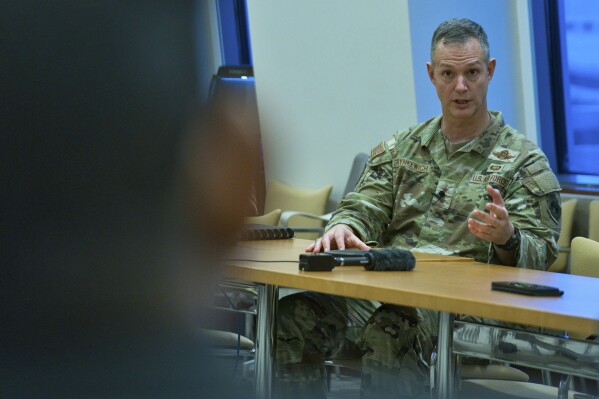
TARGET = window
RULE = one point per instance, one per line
(234, 32)
(566, 46)
(581, 83)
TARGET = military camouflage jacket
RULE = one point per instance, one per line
(397, 201)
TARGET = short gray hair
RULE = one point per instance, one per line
(459, 31)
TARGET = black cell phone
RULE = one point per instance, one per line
(519, 287)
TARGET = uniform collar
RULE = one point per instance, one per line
(484, 143)
(429, 133)
(481, 144)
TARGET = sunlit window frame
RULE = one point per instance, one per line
(547, 16)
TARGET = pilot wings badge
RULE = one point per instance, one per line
(504, 155)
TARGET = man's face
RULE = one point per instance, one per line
(461, 78)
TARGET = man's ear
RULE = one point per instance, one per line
(431, 72)
(491, 67)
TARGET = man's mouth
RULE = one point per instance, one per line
(461, 101)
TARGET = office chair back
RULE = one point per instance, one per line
(357, 168)
(304, 207)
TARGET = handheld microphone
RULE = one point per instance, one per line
(376, 260)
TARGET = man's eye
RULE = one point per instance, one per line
(473, 72)
(447, 74)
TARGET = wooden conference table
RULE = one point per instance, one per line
(451, 285)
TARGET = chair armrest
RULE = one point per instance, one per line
(221, 338)
(288, 215)
(563, 249)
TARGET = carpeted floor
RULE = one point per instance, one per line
(345, 383)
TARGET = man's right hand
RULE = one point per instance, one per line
(339, 236)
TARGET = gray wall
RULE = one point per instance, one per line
(335, 78)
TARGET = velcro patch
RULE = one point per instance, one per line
(546, 181)
(391, 143)
(536, 167)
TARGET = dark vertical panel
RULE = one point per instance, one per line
(234, 32)
(544, 78)
(556, 55)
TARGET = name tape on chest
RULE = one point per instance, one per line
(411, 165)
(494, 178)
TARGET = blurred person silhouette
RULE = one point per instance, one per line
(120, 195)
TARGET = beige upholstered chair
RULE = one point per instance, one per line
(594, 220)
(585, 257)
(515, 389)
(226, 339)
(307, 207)
(496, 389)
(271, 218)
(492, 372)
(467, 371)
(584, 262)
(561, 263)
(314, 227)
(233, 314)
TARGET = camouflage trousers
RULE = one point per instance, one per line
(394, 342)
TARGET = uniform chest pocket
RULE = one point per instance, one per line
(460, 200)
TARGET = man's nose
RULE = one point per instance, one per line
(461, 85)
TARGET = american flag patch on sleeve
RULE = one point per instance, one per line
(377, 150)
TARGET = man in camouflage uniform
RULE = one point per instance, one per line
(464, 183)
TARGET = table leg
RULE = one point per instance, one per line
(445, 357)
(266, 338)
